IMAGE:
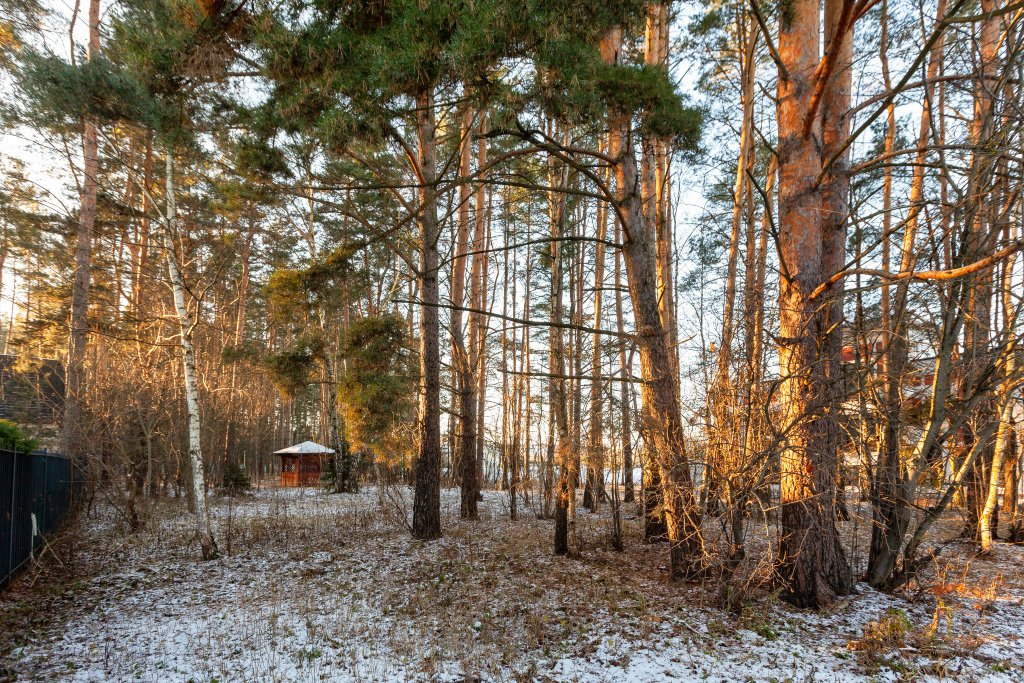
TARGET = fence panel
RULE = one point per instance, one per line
(40, 485)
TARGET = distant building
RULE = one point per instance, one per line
(302, 464)
(31, 390)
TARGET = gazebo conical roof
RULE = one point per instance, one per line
(303, 448)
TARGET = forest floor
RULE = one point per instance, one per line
(317, 587)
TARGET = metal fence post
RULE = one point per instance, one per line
(45, 503)
(14, 488)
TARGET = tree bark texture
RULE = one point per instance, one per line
(465, 378)
(204, 526)
(426, 516)
(812, 564)
(662, 426)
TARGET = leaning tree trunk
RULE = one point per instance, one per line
(982, 243)
(426, 513)
(662, 417)
(811, 564)
(890, 500)
(195, 448)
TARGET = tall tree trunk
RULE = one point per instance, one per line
(626, 429)
(527, 369)
(757, 372)
(237, 339)
(729, 456)
(507, 401)
(987, 526)
(747, 73)
(466, 382)
(186, 325)
(484, 227)
(75, 375)
(812, 563)
(595, 477)
(654, 181)
(662, 417)
(565, 504)
(426, 518)
(140, 251)
(576, 315)
(890, 143)
(653, 201)
(835, 205)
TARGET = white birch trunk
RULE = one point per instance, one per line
(195, 450)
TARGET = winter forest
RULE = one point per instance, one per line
(516, 340)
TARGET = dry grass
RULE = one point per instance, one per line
(332, 587)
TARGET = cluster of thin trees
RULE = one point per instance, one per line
(448, 240)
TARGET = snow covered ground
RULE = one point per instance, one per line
(327, 588)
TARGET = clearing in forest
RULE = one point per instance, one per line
(324, 587)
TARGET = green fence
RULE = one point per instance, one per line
(36, 492)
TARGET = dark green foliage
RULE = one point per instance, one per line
(329, 477)
(236, 478)
(381, 381)
(648, 90)
(349, 71)
(161, 69)
(12, 438)
(574, 85)
(60, 95)
(291, 370)
(239, 354)
(257, 160)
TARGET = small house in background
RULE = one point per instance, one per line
(32, 396)
(302, 464)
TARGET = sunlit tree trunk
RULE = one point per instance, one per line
(982, 242)
(652, 180)
(662, 428)
(835, 204)
(727, 458)
(987, 524)
(747, 73)
(812, 563)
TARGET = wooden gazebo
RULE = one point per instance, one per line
(302, 463)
